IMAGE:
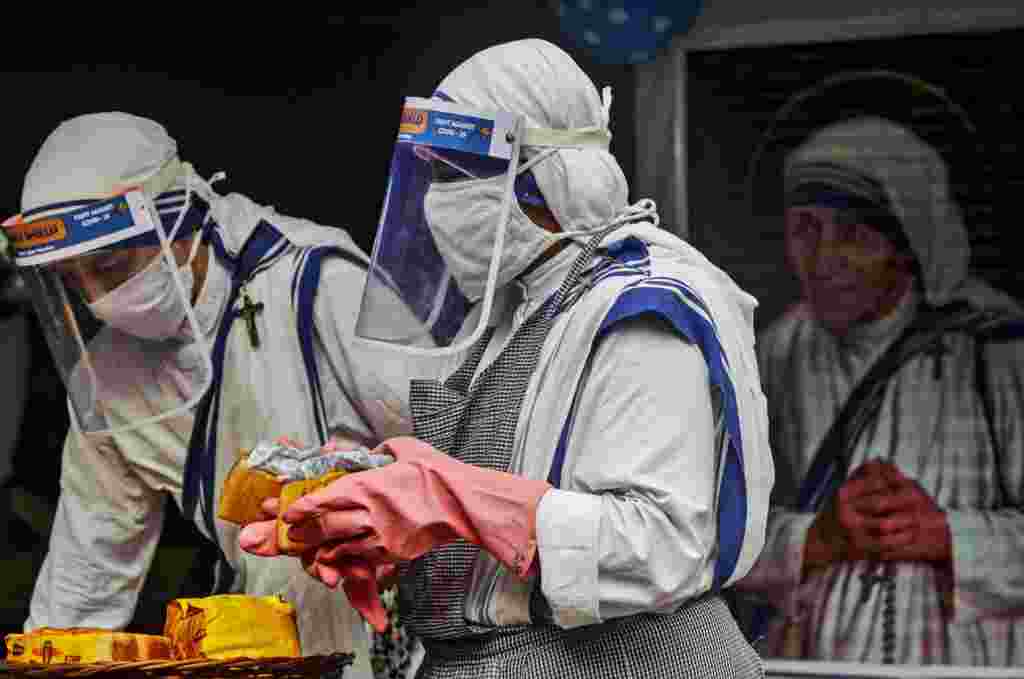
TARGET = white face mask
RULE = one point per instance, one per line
(148, 305)
(464, 218)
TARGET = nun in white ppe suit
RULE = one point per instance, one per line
(591, 468)
(187, 325)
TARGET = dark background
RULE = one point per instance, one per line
(300, 112)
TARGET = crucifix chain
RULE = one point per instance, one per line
(248, 311)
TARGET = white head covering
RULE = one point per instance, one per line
(584, 188)
(915, 181)
(96, 155)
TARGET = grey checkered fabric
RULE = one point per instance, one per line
(699, 641)
(474, 422)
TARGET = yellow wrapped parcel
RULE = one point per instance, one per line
(232, 626)
(50, 645)
(244, 491)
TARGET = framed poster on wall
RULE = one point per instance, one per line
(732, 108)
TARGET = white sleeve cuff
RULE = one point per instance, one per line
(567, 539)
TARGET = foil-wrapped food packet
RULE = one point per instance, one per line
(294, 464)
(271, 467)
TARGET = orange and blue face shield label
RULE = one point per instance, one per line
(79, 230)
(447, 125)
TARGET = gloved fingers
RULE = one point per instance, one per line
(358, 578)
(396, 542)
(337, 495)
(270, 507)
(330, 525)
(260, 538)
(364, 549)
(361, 588)
(325, 573)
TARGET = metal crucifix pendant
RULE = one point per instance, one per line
(248, 311)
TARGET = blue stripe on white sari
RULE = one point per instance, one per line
(305, 282)
(677, 303)
(200, 465)
(674, 302)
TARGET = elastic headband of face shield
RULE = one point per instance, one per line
(597, 136)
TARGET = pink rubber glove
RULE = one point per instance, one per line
(361, 581)
(423, 500)
(359, 578)
(401, 511)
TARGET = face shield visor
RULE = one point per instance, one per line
(443, 243)
(451, 178)
(112, 289)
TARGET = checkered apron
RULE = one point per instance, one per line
(475, 422)
(699, 641)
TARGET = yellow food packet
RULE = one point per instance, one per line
(232, 626)
(244, 491)
(48, 645)
(17, 648)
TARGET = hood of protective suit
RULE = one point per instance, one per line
(584, 188)
(97, 155)
(915, 181)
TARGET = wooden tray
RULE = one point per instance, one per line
(326, 666)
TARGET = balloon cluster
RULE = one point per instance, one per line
(625, 31)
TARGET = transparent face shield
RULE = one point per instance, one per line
(435, 260)
(113, 293)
